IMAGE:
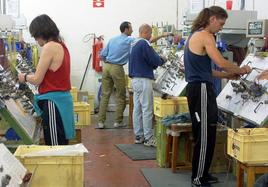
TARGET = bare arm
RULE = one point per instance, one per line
(214, 54)
(152, 40)
(42, 67)
(220, 74)
(263, 75)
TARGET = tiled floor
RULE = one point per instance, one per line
(105, 165)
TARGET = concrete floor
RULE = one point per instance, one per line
(105, 165)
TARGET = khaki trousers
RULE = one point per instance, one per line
(113, 76)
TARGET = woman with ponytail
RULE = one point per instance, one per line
(199, 51)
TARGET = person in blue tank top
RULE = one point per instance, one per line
(200, 50)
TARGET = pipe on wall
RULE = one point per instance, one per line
(1, 7)
(242, 5)
(177, 15)
(4, 7)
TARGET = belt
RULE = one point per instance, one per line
(114, 64)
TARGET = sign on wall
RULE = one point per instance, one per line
(98, 3)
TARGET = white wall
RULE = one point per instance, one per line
(258, 5)
(77, 18)
(261, 6)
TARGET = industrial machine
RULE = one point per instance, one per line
(170, 76)
(256, 30)
(233, 32)
(235, 24)
(247, 98)
(16, 109)
(17, 122)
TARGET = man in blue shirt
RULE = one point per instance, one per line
(115, 55)
(143, 60)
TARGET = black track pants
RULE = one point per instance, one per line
(204, 114)
(52, 124)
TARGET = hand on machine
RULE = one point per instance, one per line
(245, 70)
(263, 75)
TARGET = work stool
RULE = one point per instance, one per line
(251, 170)
(173, 137)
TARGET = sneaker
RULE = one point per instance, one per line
(211, 179)
(150, 142)
(100, 125)
(201, 185)
(122, 124)
(139, 139)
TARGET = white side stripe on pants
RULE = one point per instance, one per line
(55, 124)
(52, 123)
(203, 146)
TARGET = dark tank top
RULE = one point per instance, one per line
(197, 67)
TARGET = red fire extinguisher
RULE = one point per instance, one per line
(97, 47)
(229, 4)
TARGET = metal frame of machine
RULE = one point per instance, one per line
(170, 76)
(247, 98)
(16, 109)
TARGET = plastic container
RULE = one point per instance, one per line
(52, 171)
(248, 145)
(164, 107)
(161, 139)
(82, 114)
(73, 92)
